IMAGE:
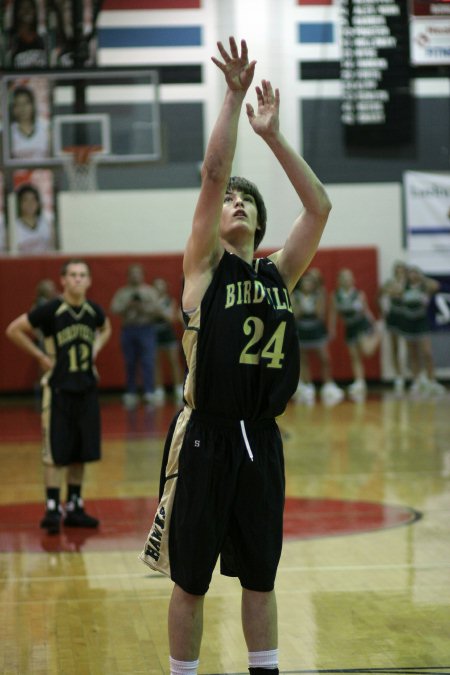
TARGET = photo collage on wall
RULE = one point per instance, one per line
(28, 216)
(36, 35)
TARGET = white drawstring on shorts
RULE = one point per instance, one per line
(247, 444)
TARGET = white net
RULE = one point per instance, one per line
(80, 167)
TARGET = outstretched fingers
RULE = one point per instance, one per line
(265, 94)
(250, 111)
(234, 53)
(244, 50)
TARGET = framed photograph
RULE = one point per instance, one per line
(33, 227)
(29, 120)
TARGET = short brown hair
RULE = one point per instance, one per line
(74, 261)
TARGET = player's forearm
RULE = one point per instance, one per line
(222, 143)
(102, 338)
(24, 342)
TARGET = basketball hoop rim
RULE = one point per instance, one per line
(82, 154)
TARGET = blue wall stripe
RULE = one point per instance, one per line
(429, 230)
(316, 33)
(153, 36)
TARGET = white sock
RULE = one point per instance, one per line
(266, 660)
(183, 667)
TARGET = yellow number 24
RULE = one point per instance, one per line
(272, 350)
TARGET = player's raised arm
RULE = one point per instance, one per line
(203, 248)
(306, 232)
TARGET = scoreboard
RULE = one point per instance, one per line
(377, 106)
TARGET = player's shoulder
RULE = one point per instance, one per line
(96, 310)
(49, 307)
(95, 306)
(43, 313)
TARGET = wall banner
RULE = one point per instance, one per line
(429, 33)
(427, 211)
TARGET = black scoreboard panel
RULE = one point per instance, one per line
(377, 106)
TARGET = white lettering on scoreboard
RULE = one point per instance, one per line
(374, 70)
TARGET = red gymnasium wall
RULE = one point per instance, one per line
(20, 276)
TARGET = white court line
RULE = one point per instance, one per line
(300, 568)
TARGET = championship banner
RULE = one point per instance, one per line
(429, 32)
(427, 211)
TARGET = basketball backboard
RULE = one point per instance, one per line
(117, 109)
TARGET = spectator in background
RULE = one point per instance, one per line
(29, 133)
(73, 41)
(391, 305)
(309, 307)
(362, 335)
(415, 328)
(25, 48)
(34, 231)
(167, 341)
(137, 303)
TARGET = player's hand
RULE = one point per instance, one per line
(45, 362)
(266, 120)
(236, 68)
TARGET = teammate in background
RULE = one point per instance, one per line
(415, 328)
(390, 301)
(223, 472)
(167, 341)
(362, 335)
(309, 305)
(137, 305)
(75, 330)
(34, 231)
(30, 138)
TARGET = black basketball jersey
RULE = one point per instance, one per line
(241, 344)
(69, 334)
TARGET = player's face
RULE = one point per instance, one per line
(76, 280)
(239, 214)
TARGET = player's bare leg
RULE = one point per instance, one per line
(259, 620)
(185, 624)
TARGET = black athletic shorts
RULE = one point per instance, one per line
(217, 500)
(71, 426)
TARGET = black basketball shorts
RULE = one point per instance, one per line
(223, 496)
(71, 427)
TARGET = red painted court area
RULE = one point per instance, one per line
(125, 523)
(21, 422)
